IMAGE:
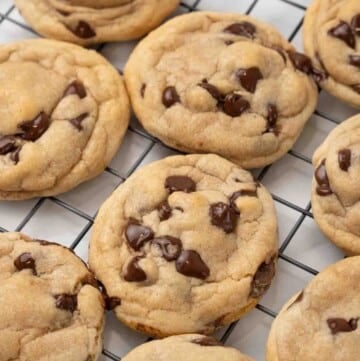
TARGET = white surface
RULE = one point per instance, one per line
(288, 179)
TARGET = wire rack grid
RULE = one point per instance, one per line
(303, 252)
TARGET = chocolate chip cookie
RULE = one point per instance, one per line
(88, 22)
(335, 190)
(332, 41)
(222, 83)
(185, 245)
(50, 306)
(63, 110)
(323, 321)
(185, 348)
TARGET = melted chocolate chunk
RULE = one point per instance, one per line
(356, 88)
(338, 325)
(343, 32)
(142, 90)
(212, 90)
(7, 144)
(242, 193)
(323, 188)
(77, 88)
(344, 158)
(207, 341)
(15, 156)
(134, 273)
(249, 78)
(25, 261)
(355, 24)
(223, 216)
(354, 60)
(243, 29)
(66, 302)
(112, 302)
(272, 119)
(235, 105)
(170, 96)
(137, 235)
(35, 128)
(262, 279)
(301, 62)
(178, 183)
(164, 210)
(170, 247)
(83, 30)
(76, 122)
(191, 264)
(90, 279)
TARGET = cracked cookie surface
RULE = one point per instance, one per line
(187, 244)
(88, 22)
(331, 39)
(64, 111)
(222, 83)
(335, 191)
(323, 321)
(186, 348)
(50, 307)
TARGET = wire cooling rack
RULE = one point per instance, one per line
(304, 251)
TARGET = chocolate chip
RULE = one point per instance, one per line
(262, 279)
(15, 156)
(249, 78)
(354, 60)
(7, 144)
(344, 158)
(170, 247)
(191, 264)
(90, 279)
(338, 325)
(318, 75)
(272, 119)
(323, 188)
(243, 29)
(178, 183)
(137, 235)
(77, 88)
(343, 32)
(112, 302)
(228, 42)
(212, 90)
(142, 90)
(223, 216)
(170, 96)
(355, 24)
(76, 122)
(242, 193)
(235, 105)
(301, 62)
(25, 261)
(134, 273)
(66, 302)
(35, 128)
(83, 30)
(164, 210)
(207, 341)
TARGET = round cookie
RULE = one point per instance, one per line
(331, 38)
(187, 244)
(185, 348)
(64, 111)
(50, 308)
(335, 190)
(88, 22)
(322, 322)
(222, 83)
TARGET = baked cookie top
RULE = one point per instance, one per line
(50, 308)
(88, 22)
(332, 40)
(222, 83)
(335, 191)
(321, 323)
(185, 348)
(63, 111)
(187, 244)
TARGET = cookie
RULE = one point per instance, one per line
(88, 22)
(323, 321)
(335, 191)
(331, 37)
(222, 83)
(185, 348)
(186, 244)
(50, 307)
(64, 112)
